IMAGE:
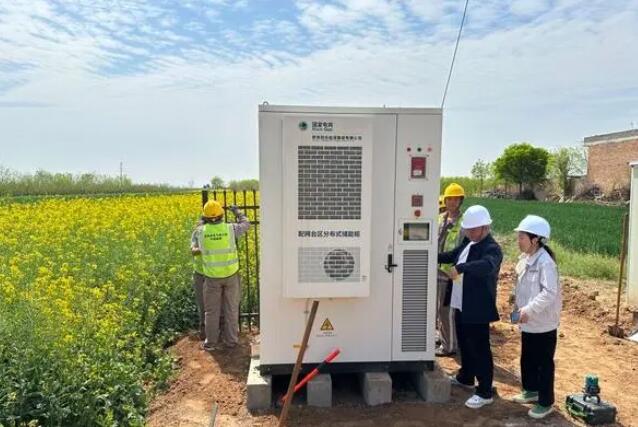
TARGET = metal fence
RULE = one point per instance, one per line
(248, 248)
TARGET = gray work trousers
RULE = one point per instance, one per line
(445, 317)
(198, 288)
(221, 300)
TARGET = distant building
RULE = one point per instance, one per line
(608, 158)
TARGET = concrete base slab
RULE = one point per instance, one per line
(319, 391)
(433, 386)
(254, 351)
(259, 388)
(376, 388)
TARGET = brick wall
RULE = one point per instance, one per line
(608, 164)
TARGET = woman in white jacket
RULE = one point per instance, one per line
(537, 311)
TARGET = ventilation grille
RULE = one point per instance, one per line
(325, 265)
(329, 182)
(415, 301)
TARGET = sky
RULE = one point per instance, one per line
(170, 88)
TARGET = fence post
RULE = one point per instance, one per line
(204, 196)
(256, 212)
(250, 298)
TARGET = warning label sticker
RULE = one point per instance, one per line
(327, 329)
(327, 325)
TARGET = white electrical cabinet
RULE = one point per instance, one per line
(349, 208)
(632, 258)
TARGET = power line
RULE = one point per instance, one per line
(456, 47)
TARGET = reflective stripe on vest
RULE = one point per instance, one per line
(219, 250)
(448, 239)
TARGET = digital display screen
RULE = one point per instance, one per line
(416, 231)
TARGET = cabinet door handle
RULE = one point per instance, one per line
(390, 265)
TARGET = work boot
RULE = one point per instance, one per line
(208, 347)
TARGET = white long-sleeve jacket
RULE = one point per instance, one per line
(538, 292)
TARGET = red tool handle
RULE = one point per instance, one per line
(332, 356)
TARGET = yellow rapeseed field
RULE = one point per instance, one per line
(91, 290)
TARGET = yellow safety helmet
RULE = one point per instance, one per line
(453, 190)
(213, 209)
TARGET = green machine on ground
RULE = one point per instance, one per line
(588, 406)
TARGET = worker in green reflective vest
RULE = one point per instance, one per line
(450, 236)
(215, 241)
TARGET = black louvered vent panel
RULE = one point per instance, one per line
(415, 301)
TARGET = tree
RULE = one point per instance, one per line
(217, 182)
(244, 184)
(565, 162)
(480, 171)
(522, 164)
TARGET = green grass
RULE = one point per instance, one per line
(577, 228)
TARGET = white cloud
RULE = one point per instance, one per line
(528, 7)
(557, 77)
(428, 10)
(350, 15)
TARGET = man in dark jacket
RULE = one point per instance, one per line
(477, 262)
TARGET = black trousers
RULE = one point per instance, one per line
(476, 355)
(537, 365)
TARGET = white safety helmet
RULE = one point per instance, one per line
(476, 216)
(534, 224)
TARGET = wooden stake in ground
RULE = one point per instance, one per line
(615, 330)
(297, 368)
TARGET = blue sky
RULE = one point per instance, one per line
(171, 88)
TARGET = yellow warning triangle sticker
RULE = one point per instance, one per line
(327, 326)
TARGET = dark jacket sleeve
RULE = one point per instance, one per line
(450, 257)
(488, 264)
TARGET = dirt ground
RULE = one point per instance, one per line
(584, 347)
